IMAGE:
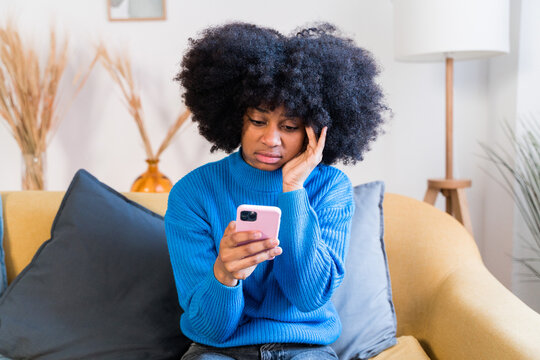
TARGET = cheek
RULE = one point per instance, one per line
(297, 142)
(247, 135)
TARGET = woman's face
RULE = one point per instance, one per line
(271, 138)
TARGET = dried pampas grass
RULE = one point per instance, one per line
(29, 97)
(119, 68)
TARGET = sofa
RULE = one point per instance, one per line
(448, 305)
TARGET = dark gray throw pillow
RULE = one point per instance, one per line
(100, 288)
(3, 273)
(364, 299)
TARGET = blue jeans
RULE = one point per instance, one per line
(262, 352)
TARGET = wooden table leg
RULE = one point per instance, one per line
(456, 201)
(431, 195)
(460, 208)
(449, 201)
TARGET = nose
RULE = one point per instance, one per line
(271, 136)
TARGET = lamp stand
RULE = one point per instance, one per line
(452, 189)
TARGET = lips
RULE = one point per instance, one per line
(267, 158)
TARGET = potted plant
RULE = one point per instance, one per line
(521, 178)
(119, 68)
(29, 96)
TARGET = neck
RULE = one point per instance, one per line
(253, 178)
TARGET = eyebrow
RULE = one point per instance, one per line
(287, 116)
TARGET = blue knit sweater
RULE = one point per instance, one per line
(285, 300)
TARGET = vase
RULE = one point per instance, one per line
(33, 169)
(152, 181)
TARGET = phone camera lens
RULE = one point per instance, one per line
(248, 215)
(244, 215)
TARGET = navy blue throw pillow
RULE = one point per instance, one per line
(101, 288)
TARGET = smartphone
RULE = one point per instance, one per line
(265, 219)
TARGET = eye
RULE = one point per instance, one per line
(256, 122)
(290, 128)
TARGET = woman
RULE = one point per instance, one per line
(295, 105)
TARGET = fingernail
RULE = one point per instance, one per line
(257, 235)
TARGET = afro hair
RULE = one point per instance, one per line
(316, 74)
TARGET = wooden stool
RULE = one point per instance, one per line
(456, 201)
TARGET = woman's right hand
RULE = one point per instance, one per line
(237, 259)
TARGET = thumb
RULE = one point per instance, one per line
(231, 228)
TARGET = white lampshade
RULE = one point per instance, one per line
(431, 30)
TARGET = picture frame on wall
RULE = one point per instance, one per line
(136, 10)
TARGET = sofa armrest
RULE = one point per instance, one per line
(473, 316)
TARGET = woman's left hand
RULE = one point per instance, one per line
(297, 170)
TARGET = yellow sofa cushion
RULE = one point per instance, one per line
(407, 348)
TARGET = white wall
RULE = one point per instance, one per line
(527, 107)
(97, 133)
(498, 205)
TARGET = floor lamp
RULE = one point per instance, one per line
(448, 30)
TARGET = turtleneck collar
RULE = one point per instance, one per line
(259, 180)
(252, 178)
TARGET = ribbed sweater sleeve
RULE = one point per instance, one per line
(193, 253)
(314, 243)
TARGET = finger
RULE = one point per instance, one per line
(322, 140)
(239, 238)
(256, 247)
(236, 266)
(246, 250)
(311, 136)
(230, 229)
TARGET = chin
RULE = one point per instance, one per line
(268, 167)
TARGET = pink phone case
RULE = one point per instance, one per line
(267, 222)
